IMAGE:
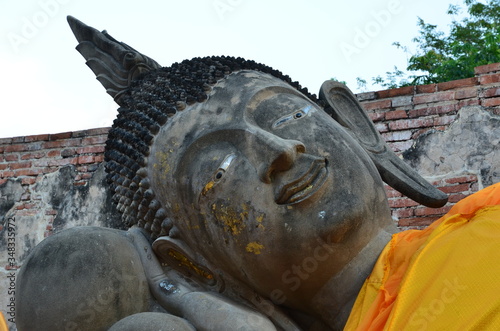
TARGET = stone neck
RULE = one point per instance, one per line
(334, 301)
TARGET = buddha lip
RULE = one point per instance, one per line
(302, 188)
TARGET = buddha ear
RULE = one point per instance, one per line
(176, 254)
(343, 106)
(114, 63)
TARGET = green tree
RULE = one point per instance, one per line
(471, 42)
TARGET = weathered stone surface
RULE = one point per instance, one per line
(99, 279)
(10, 192)
(471, 145)
(59, 205)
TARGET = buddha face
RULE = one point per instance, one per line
(267, 186)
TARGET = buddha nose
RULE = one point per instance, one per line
(280, 155)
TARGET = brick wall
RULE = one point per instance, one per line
(404, 114)
(28, 159)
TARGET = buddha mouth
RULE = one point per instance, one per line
(305, 186)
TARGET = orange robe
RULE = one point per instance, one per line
(445, 277)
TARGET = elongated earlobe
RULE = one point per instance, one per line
(343, 106)
(176, 254)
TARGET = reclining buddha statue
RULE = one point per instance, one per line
(251, 204)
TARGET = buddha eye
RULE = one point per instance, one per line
(223, 167)
(219, 174)
(295, 116)
(221, 170)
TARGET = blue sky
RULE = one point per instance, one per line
(47, 88)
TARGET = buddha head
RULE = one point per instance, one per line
(238, 174)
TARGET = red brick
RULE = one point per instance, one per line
(82, 168)
(366, 96)
(411, 123)
(28, 180)
(480, 70)
(99, 158)
(430, 88)
(86, 159)
(79, 134)
(426, 211)
(434, 97)
(94, 140)
(379, 104)
(54, 153)
(392, 193)
(62, 143)
(397, 135)
(395, 114)
(81, 183)
(455, 188)
(21, 165)
(41, 163)
(469, 102)
(4, 166)
(457, 83)
(5, 141)
(491, 102)
(31, 156)
(403, 102)
(29, 172)
(375, 117)
(50, 212)
(7, 173)
(91, 149)
(461, 179)
(62, 162)
(490, 92)
(466, 93)
(403, 213)
(456, 197)
(489, 79)
(417, 221)
(407, 90)
(86, 176)
(26, 206)
(98, 131)
(445, 120)
(59, 136)
(50, 169)
(402, 202)
(11, 157)
(15, 148)
(36, 138)
(3, 181)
